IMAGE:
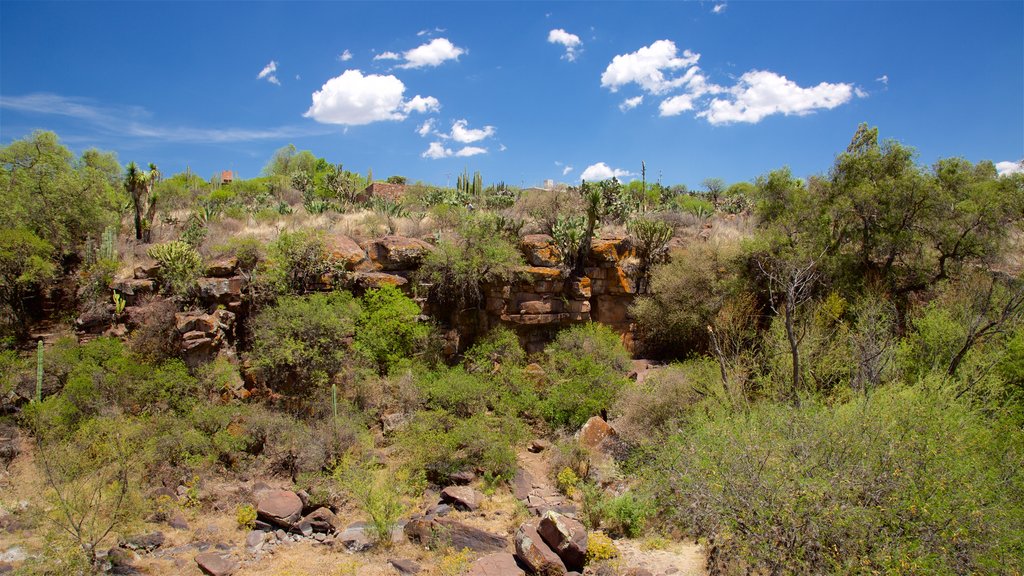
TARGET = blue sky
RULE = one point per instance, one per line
(520, 91)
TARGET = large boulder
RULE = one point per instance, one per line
(215, 564)
(432, 531)
(222, 267)
(323, 520)
(374, 280)
(346, 252)
(396, 252)
(535, 554)
(594, 432)
(540, 250)
(220, 290)
(566, 537)
(280, 507)
(356, 537)
(462, 497)
(500, 564)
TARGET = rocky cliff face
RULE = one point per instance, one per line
(540, 303)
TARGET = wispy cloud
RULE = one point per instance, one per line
(134, 121)
(719, 8)
(345, 56)
(269, 73)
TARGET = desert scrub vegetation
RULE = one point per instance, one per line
(910, 479)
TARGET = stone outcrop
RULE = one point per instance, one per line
(427, 530)
(279, 507)
(392, 253)
(500, 564)
(535, 554)
(566, 537)
(203, 335)
(462, 497)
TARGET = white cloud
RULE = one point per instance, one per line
(436, 150)
(571, 42)
(884, 79)
(428, 32)
(345, 56)
(128, 122)
(502, 147)
(461, 132)
(426, 127)
(269, 72)
(566, 170)
(388, 56)
(471, 151)
(761, 93)
(421, 104)
(647, 66)
(630, 103)
(1007, 167)
(676, 105)
(433, 53)
(353, 99)
(601, 171)
(719, 8)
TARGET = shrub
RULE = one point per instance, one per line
(483, 442)
(907, 480)
(478, 254)
(180, 266)
(600, 547)
(661, 404)
(377, 494)
(388, 329)
(303, 341)
(245, 515)
(567, 481)
(587, 364)
(623, 515)
(294, 260)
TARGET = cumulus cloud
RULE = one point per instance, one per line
(388, 56)
(647, 68)
(601, 171)
(269, 73)
(345, 56)
(425, 128)
(676, 105)
(1007, 167)
(353, 99)
(571, 42)
(462, 133)
(719, 8)
(630, 103)
(433, 53)
(761, 93)
(437, 150)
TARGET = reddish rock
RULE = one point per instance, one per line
(535, 554)
(132, 288)
(594, 432)
(501, 564)
(540, 250)
(545, 306)
(280, 507)
(612, 309)
(222, 268)
(187, 322)
(462, 497)
(580, 288)
(323, 520)
(220, 290)
(522, 484)
(216, 564)
(609, 251)
(404, 565)
(566, 537)
(374, 280)
(346, 252)
(536, 274)
(427, 530)
(396, 252)
(146, 270)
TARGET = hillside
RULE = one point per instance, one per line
(316, 372)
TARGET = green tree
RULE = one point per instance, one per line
(26, 262)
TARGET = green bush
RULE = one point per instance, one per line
(302, 342)
(295, 260)
(587, 366)
(388, 330)
(481, 442)
(907, 480)
(180, 266)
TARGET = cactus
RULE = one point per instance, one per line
(39, 372)
(107, 250)
(334, 399)
(119, 303)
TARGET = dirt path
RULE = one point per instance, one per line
(674, 559)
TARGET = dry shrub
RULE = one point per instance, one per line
(542, 208)
(657, 407)
(155, 336)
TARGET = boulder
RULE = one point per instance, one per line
(540, 250)
(323, 520)
(522, 483)
(594, 432)
(254, 540)
(373, 280)
(462, 497)
(216, 564)
(356, 537)
(433, 531)
(132, 288)
(222, 267)
(146, 270)
(346, 252)
(187, 322)
(143, 542)
(220, 290)
(404, 565)
(463, 477)
(535, 554)
(605, 251)
(538, 445)
(580, 288)
(396, 252)
(501, 564)
(566, 537)
(280, 507)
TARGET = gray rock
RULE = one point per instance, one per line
(280, 507)
(216, 564)
(522, 483)
(566, 537)
(500, 564)
(404, 565)
(356, 537)
(254, 540)
(462, 497)
(432, 531)
(143, 542)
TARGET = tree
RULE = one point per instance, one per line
(26, 261)
(136, 183)
(714, 187)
